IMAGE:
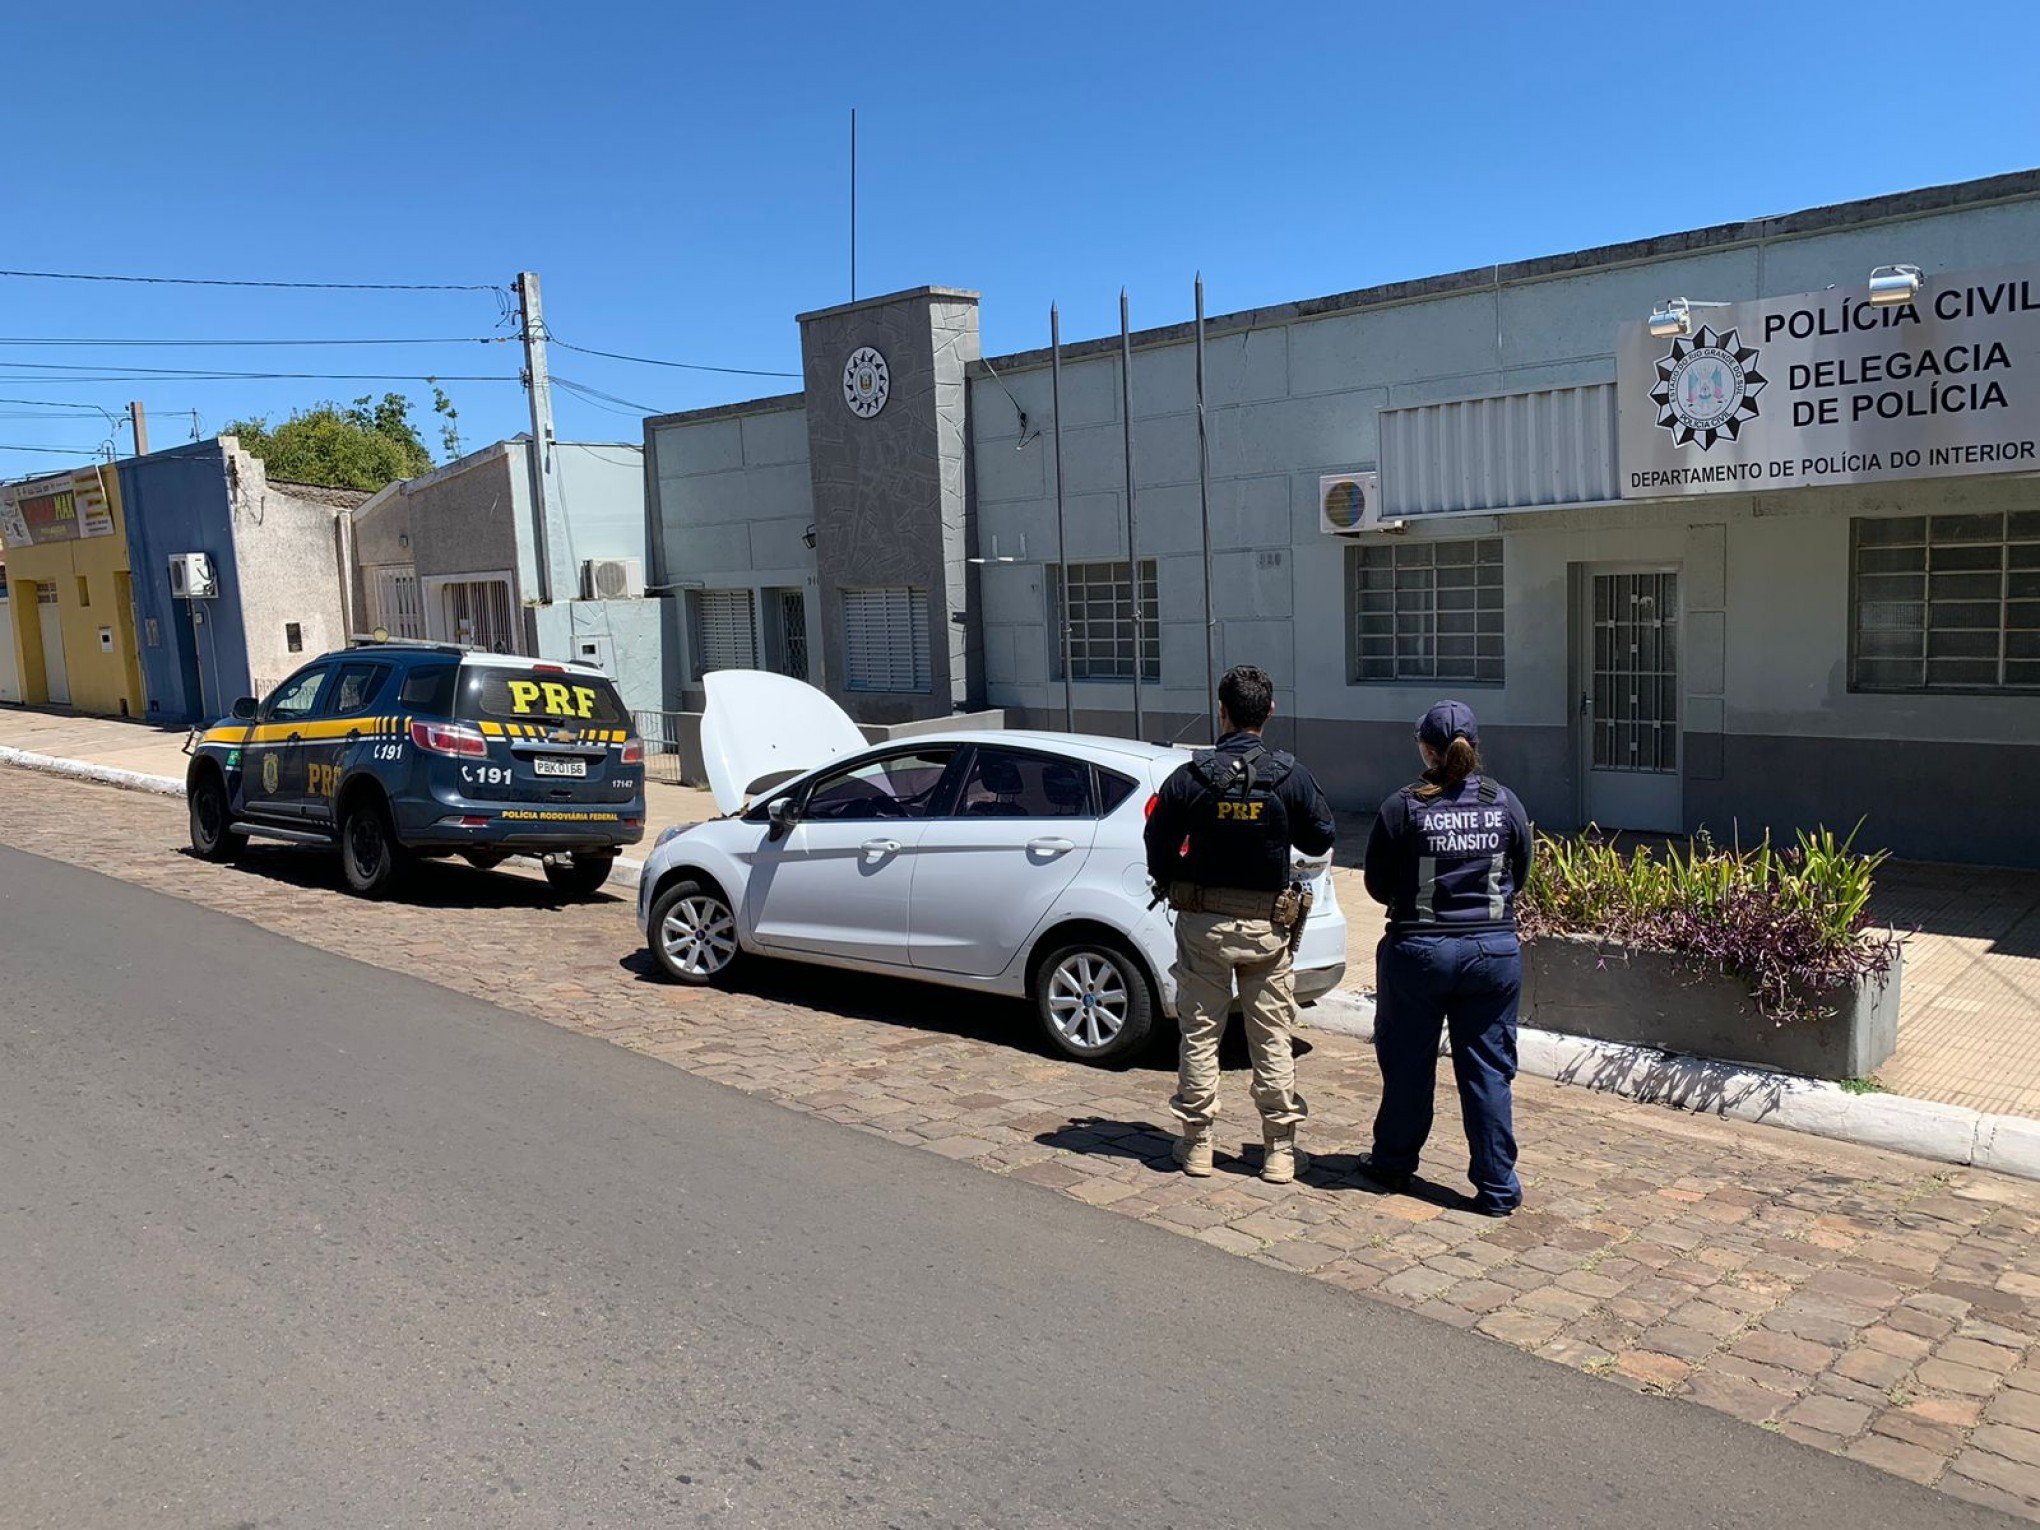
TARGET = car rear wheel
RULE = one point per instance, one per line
(212, 838)
(1094, 1001)
(694, 933)
(578, 876)
(370, 857)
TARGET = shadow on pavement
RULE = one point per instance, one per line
(450, 884)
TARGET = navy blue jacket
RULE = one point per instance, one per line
(1241, 843)
(1450, 865)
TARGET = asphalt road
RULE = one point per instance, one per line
(289, 1240)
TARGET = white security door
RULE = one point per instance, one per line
(56, 680)
(397, 608)
(10, 668)
(1629, 703)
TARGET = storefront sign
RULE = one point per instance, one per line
(60, 509)
(1826, 389)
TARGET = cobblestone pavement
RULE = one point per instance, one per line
(1864, 1303)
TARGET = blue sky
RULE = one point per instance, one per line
(676, 173)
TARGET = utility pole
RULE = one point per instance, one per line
(545, 473)
(853, 204)
(138, 417)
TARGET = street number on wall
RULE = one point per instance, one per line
(867, 383)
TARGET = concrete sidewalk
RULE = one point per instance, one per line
(1969, 1025)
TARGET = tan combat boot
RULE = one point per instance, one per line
(1281, 1159)
(1193, 1153)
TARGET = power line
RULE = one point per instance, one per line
(55, 451)
(43, 371)
(653, 361)
(31, 340)
(52, 403)
(594, 394)
(207, 281)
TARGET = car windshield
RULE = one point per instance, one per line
(539, 695)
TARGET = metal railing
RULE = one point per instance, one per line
(662, 733)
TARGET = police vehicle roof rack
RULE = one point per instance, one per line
(371, 640)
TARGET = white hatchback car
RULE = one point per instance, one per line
(1006, 862)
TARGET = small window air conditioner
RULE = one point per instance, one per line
(612, 579)
(1349, 503)
(192, 576)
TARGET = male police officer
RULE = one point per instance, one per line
(1218, 845)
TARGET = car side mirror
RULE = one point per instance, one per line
(781, 815)
(245, 709)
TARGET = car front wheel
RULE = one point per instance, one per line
(1093, 1001)
(694, 933)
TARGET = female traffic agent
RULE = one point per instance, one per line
(1447, 855)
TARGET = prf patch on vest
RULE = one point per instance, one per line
(1241, 812)
(559, 700)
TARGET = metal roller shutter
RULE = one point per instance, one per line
(885, 645)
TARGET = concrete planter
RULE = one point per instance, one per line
(1615, 993)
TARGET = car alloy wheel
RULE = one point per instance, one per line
(698, 936)
(1088, 1001)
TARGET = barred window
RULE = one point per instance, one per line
(885, 647)
(1099, 599)
(1425, 611)
(1945, 602)
(725, 630)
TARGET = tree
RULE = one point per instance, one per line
(364, 446)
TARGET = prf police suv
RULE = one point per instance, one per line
(392, 750)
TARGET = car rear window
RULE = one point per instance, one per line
(1113, 788)
(538, 695)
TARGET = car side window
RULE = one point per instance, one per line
(1018, 783)
(294, 698)
(355, 686)
(895, 786)
(429, 688)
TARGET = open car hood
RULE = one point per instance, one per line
(760, 729)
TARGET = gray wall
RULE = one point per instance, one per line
(287, 550)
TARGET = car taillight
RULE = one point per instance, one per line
(1149, 810)
(634, 752)
(446, 738)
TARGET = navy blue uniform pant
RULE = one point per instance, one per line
(1469, 985)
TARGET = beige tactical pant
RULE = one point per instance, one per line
(1213, 951)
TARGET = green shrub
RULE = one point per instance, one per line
(1793, 925)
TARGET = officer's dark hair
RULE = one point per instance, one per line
(1460, 760)
(1247, 694)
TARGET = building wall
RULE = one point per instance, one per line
(287, 549)
(732, 501)
(95, 612)
(176, 502)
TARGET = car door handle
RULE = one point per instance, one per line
(881, 847)
(295, 738)
(1051, 846)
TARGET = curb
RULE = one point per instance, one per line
(1924, 1128)
(625, 873)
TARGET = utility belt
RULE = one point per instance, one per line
(1286, 910)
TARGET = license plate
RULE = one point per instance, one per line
(546, 766)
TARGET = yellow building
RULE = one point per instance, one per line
(69, 599)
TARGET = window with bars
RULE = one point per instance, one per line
(1099, 599)
(885, 640)
(725, 630)
(1425, 611)
(1945, 602)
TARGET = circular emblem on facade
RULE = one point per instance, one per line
(1345, 504)
(271, 770)
(1707, 387)
(867, 382)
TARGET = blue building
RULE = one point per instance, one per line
(273, 551)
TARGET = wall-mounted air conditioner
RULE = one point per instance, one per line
(613, 579)
(192, 576)
(1349, 503)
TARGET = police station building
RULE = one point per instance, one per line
(1737, 528)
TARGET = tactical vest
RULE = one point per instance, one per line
(1239, 834)
(1460, 848)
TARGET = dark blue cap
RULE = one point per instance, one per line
(1445, 722)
